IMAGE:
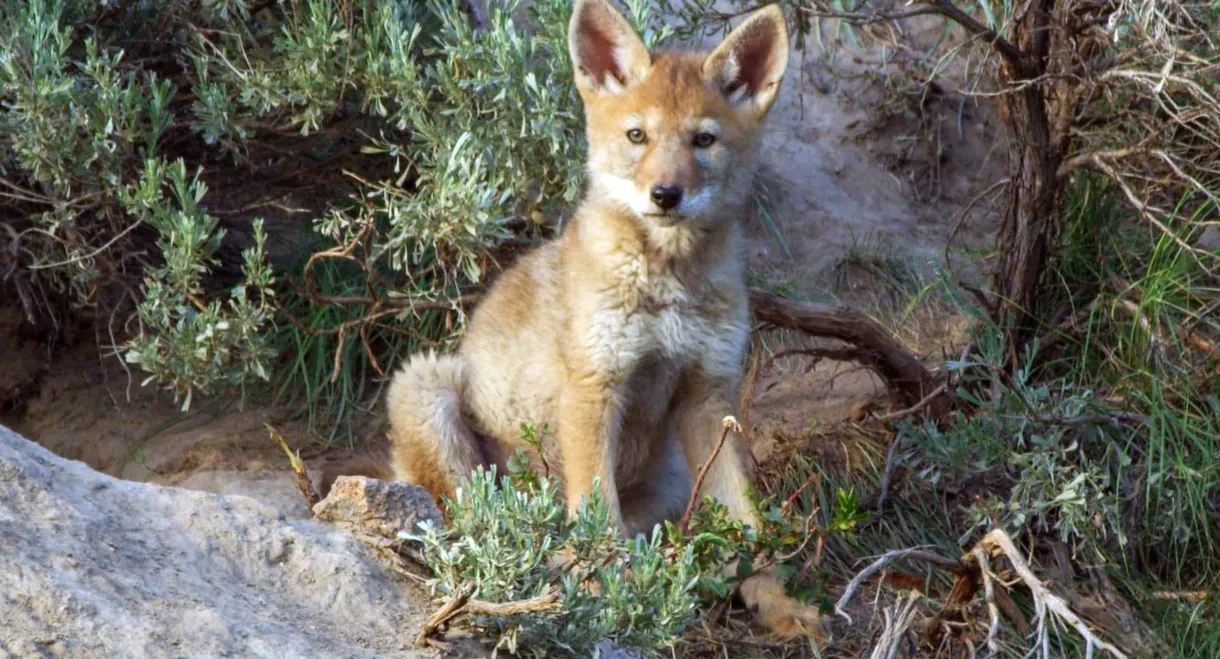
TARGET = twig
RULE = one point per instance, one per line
(298, 468)
(891, 458)
(399, 303)
(818, 354)
(885, 559)
(993, 612)
(461, 604)
(1011, 611)
(1188, 596)
(927, 400)
(728, 424)
(82, 257)
(445, 613)
(898, 621)
(865, 19)
(745, 399)
(961, 218)
(1147, 211)
(997, 542)
(1010, 52)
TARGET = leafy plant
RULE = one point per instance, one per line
(508, 543)
(185, 341)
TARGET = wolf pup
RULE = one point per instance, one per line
(626, 335)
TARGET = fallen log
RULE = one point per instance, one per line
(873, 345)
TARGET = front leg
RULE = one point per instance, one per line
(588, 427)
(704, 402)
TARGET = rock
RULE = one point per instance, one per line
(1209, 240)
(277, 489)
(378, 507)
(92, 566)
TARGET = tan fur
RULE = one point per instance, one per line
(625, 336)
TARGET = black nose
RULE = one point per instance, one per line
(666, 196)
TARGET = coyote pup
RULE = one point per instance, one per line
(626, 334)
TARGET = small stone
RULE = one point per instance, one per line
(378, 507)
(1209, 240)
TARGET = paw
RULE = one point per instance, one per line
(782, 615)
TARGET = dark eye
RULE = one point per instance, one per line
(704, 140)
(636, 136)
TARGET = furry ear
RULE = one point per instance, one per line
(748, 65)
(607, 55)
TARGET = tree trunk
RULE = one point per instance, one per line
(1037, 121)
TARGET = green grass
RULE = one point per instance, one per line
(1189, 629)
(336, 387)
(1141, 298)
(880, 270)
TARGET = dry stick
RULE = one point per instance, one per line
(445, 613)
(1188, 596)
(298, 468)
(887, 558)
(461, 603)
(1010, 52)
(728, 424)
(83, 257)
(898, 620)
(927, 400)
(548, 601)
(993, 611)
(876, 347)
(1011, 611)
(1146, 210)
(998, 542)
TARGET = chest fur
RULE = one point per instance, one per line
(650, 312)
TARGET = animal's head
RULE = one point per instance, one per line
(673, 136)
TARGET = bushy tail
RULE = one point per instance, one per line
(431, 444)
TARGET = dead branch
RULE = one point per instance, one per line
(989, 590)
(1010, 52)
(298, 468)
(898, 620)
(1011, 611)
(885, 559)
(1188, 596)
(445, 613)
(997, 543)
(904, 413)
(461, 603)
(974, 570)
(875, 347)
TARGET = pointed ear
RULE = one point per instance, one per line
(748, 65)
(607, 55)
